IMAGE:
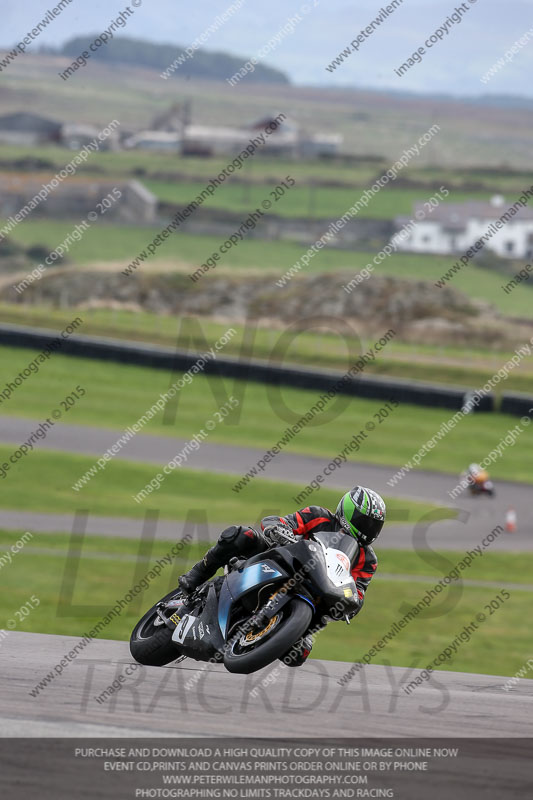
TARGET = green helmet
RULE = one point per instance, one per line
(361, 513)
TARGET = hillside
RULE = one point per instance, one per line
(319, 31)
(205, 64)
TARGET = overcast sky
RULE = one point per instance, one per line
(455, 65)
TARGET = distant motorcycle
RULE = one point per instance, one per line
(482, 487)
(258, 611)
(478, 481)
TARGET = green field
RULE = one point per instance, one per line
(359, 174)
(303, 201)
(152, 165)
(490, 566)
(105, 243)
(184, 492)
(118, 395)
(450, 365)
(500, 646)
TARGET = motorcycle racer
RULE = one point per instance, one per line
(360, 513)
(478, 480)
(476, 474)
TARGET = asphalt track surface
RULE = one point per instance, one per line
(303, 702)
(477, 517)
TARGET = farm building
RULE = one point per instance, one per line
(23, 128)
(74, 198)
(172, 131)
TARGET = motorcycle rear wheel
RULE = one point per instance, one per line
(297, 617)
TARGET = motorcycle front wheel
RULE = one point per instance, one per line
(255, 650)
(151, 643)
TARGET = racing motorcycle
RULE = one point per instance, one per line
(257, 611)
(482, 487)
(478, 481)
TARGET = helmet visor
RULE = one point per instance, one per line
(368, 527)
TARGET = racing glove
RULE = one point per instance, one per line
(277, 535)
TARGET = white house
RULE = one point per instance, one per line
(454, 228)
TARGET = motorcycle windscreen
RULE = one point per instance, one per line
(238, 583)
(332, 576)
(340, 541)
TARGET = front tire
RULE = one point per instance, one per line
(151, 644)
(292, 628)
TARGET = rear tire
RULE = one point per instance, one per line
(152, 645)
(291, 629)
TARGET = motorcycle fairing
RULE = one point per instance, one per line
(197, 633)
(319, 551)
(239, 582)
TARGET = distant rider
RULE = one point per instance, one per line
(476, 475)
(360, 513)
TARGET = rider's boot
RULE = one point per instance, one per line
(203, 570)
(234, 541)
(299, 652)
